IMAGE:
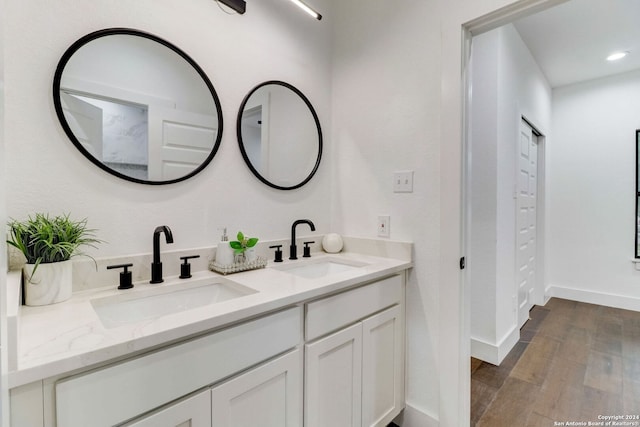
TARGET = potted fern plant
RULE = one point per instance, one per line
(48, 243)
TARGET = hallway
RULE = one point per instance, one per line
(574, 362)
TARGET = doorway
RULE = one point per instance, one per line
(504, 187)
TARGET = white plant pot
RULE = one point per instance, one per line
(51, 283)
(250, 255)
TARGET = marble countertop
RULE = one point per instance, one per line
(69, 336)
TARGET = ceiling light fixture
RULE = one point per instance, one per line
(617, 55)
(239, 6)
(307, 9)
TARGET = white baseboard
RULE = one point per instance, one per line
(414, 417)
(494, 353)
(600, 298)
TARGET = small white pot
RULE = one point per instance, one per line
(250, 255)
(51, 283)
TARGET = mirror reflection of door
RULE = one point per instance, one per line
(137, 106)
(252, 137)
(292, 125)
(179, 142)
(147, 142)
(255, 131)
(279, 135)
(117, 133)
(85, 121)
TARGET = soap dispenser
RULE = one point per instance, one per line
(224, 251)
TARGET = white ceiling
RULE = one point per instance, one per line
(571, 41)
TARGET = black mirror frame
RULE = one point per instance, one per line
(128, 31)
(241, 143)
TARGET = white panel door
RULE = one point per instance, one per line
(179, 141)
(382, 367)
(526, 220)
(267, 396)
(333, 380)
(194, 411)
(85, 121)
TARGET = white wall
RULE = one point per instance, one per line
(4, 393)
(273, 40)
(507, 84)
(591, 191)
(385, 114)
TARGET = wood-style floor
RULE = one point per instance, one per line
(573, 363)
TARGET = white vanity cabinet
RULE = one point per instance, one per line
(269, 395)
(121, 392)
(333, 379)
(193, 411)
(355, 376)
(333, 360)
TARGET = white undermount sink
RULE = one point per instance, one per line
(123, 309)
(315, 269)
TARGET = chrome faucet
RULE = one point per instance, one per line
(293, 249)
(156, 265)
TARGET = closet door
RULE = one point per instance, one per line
(526, 220)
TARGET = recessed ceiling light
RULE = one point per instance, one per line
(617, 55)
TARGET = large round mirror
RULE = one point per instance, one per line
(279, 135)
(137, 106)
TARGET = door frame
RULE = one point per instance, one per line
(459, 24)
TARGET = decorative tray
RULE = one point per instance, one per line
(236, 267)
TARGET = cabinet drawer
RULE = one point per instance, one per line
(330, 314)
(194, 411)
(120, 392)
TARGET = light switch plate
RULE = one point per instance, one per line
(403, 182)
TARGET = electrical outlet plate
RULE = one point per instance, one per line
(403, 182)
(383, 226)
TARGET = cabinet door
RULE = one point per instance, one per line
(194, 411)
(267, 396)
(333, 379)
(382, 367)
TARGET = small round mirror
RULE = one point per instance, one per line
(137, 106)
(279, 135)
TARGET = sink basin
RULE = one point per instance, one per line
(315, 269)
(123, 309)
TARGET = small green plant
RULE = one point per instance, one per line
(43, 239)
(240, 246)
